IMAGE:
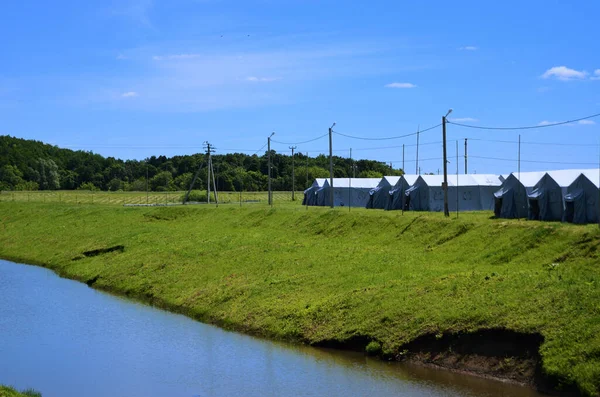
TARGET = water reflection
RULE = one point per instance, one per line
(65, 339)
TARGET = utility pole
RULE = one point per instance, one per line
(209, 171)
(417, 162)
(146, 182)
(457, 202)
(331, 162)
(293, 174)
(269, 167)
(445, 184)
(465, 156)
(307, 182)
(208, 175)
(403, 169)
(351, 162)
(391, 168)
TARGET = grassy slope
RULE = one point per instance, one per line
(6, 391)
(322, 275)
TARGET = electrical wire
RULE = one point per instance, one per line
(535, 143)
(261, 148)
(300, 143)
(532, 161)
(526, 127)
(413, 160)
(386, 138)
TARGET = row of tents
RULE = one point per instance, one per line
(568, 195)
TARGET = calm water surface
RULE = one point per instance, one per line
(64, 339)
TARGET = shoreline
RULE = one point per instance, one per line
(335, 279)
(415, 358)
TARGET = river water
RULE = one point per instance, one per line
(64, 339)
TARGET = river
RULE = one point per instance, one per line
(64, 339)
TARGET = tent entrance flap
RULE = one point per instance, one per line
(569, 211)
(497, 206)
(534, 209)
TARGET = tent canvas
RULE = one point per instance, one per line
(396, 196)
(378, 196)
(488, 185)
(510, 201)
(464, 192)
(417, 196)
(310, 196)
(581, 199)
(545, 200)
(352, 192)
(322, 194)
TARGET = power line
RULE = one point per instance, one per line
(413, 160)
(261, 148)
(300, 143)
(533, 161)
(386, 138)
(535, 143)
(526, 127)
(398, 146)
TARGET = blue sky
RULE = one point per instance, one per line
(133, 78)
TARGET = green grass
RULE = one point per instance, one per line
(6, 391)
(316, 274)
(122, 198)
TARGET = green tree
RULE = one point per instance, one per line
(10, 177)
(46, 171)
(162, 181)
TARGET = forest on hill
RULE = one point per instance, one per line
(33, 165)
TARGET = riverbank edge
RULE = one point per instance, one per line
(539, 381)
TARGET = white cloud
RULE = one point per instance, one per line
(465, 120)
(121, 56)
(580, 122)
(564, 73)
(468, 48)
(129, 94)
(596, 75)
(400, 85)
(255, 79)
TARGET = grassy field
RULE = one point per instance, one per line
(124, 198)
(318, 275)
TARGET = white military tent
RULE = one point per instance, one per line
(353, 192)
(581, 199)
(310, 194)
(464, 192)
(510, 201)
(396, 199)
(378, 196)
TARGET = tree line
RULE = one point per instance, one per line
(33, 165)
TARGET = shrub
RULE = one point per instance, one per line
(196, 195)
(373, 348)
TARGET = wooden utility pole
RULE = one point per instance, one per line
(208, 171)
(293, 174)
(445, 184)
(331, 163)
(465, 156)
(269, 167)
